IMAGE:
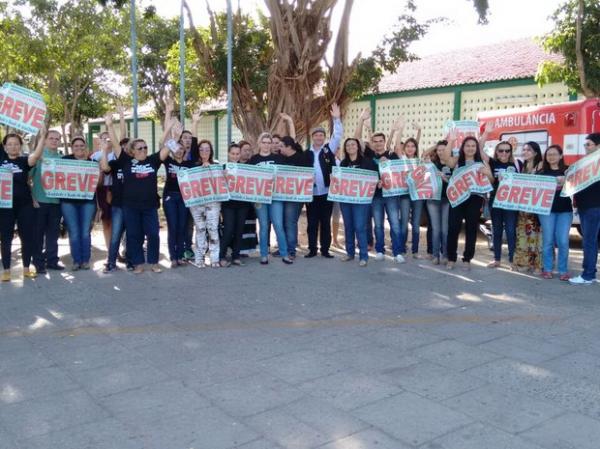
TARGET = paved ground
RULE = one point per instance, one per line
(321, 354)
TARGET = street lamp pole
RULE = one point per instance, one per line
(134, 69)
(229, 70)
(181, 67)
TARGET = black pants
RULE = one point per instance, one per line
(318, 215)
(469, 211)
(47, 231)
(24, 216)
(234, 220)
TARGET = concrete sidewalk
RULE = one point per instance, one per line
(321, 354)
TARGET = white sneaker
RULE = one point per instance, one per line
(579, 281)
(379, 256)
(363, 263)
(399, 259)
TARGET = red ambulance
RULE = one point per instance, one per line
(565, 124)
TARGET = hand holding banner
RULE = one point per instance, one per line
(466, 181)
(6, 188)
(22, 108)
(582, 174)
(202, 185)
(70, 178)
(293, 184)
(424, 183)
(251, 183)
(527, 193)
(352, 185)
(394, 174)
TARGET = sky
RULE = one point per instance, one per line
(372, 19)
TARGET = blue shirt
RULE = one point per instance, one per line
(338, 131)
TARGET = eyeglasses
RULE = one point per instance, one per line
(141, 148)
(504, 150)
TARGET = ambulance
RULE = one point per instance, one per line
(565, 124)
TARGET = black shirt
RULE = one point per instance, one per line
(116, 189)
(298, 159)
(589, 197)
(364, 163)
(257, 159)
(369, 153)
(140, 181)
(447, 172)
(20, 169)
(172, 167)
(75, 201)
(560, 203)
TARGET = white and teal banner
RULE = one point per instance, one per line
(70, 179)
(6, 188)
(466, 181)
(22, 108)
(251, 183)
(425, 183)
(526, 193)
(352, 185)
(394, 175)
(582, 174)
(293, 184)
(202, 185)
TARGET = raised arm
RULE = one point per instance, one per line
(364, 116)
(489, 126)
(417, 126)
(172, 131)
(39, 148)
(291, 128)
(169, 106)
(395, 133)
(338, 128)
(108, 121)
(122, 124)
(452, 139)
(195, 123)
(104, 166)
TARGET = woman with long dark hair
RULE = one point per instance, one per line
(206, 216)
(409, 208)
(78, 215)
(468, 211)
(22, 211)
(234, 219)
(556, 226)
(355, 215)
(528, 248)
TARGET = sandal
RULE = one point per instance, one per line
(237, 262)
(156, 268)
(493, 264)
(139, 269)
(224, 263)
(546, 275)
(565, 277)
(216, 265)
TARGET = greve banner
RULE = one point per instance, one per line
(425, 183)
(293, 184)
(352, 185)
(466, 181)
(526, 193)
(6, 188)
(582, 174)
(203, 185)
(251, 183)
(70, 179)
(21, 108)
(394, 174)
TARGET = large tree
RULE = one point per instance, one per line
(576, 37)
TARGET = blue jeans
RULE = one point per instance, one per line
(590, 226)
(141, 223)
(274, 212)
(117, 230)
(291, 214)
(390, 205)
(355, 227)
(438, 219)
(78, 218)
(555, 231)
(504, 221)
(176, 214)
(406, 206)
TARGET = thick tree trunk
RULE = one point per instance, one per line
(579, 53)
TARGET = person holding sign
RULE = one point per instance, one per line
(503, 220)
(22, 211)
(469, 210)
(273, 211)
(439, 209)
(292, 154)
(48, 214)
(556, 226)
(140, 201)
(588, 206)
(528, 248)
(408, 207)
(79, 214)
(206, 217)
(234, 214)
(318, 212)
(355, 215)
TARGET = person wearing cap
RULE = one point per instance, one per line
(318, 212)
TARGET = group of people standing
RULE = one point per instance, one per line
(128, 200)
